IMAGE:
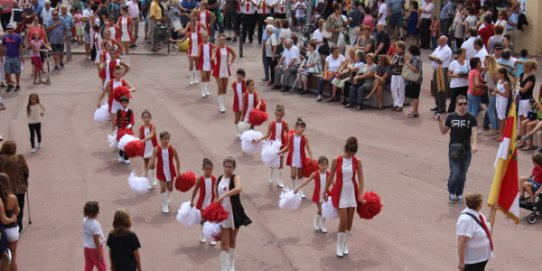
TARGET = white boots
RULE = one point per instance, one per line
(345, 244)
(341, 239)
(165, 201)
(280, 184)
(205, 90)
(152, 179)
(192, 77)
(318, 224)
(203, 240)
(231, 254)
(221, 105)
(270, 178)
(227, 260)
(300, 190)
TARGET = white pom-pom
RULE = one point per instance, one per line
(328, 210)
(269, 153)
(211, 230)
(289, 200)
(125, 139)
(246, 142)
(112, 140)
(102, 114)
(188, 215)
(138, 184)
(243, 126)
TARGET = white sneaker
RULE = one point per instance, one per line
(165, 209)
(212, 243)
(202, 238)
(33, 150)
(459, 198)
(280, 184)
(321, 224)
(120, 159)
(302, 194)
(126, 162)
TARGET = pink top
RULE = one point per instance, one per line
(473, 74)
(369, 21)
(36, 46)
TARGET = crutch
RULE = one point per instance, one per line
(28, 206)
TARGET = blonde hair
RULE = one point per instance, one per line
(122, 222)
(531, 65)
(492, 66)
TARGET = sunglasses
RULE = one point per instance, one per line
(461, 103)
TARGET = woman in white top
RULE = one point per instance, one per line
(347, 69)
(474, 244)
(331, 68)
(317, 37)
(347, 191)
(270, 49)
(228, 190)
(458, 72)
(503, 91)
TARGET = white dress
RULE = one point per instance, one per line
(323, 179)
(239, 91)
(206, 57)
(296, 156)
(250, 105)
(278, 132)
(501, 102)
(223, 187)
(115, 105)
(125, 32)
(208, 193)
(148, 143)
(195, 42)
(165, 159)
(223, 69)
(348, 195)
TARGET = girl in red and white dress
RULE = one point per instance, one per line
(109, 59)
(223, 57)
(251, 101)
(125, 27)
(296, 146)
(117, 81)
(124, 121)
(239, 89)
(147, 133)
(193, 34)
(166, 170)
(320, 178)
(206, 18)
(347, 191)
(206, 187)
(205, 65)
(277, 131)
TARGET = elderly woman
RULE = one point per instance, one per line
(365, 41)
(413, 62)
(383, 78)
(270, 47)
(311, 65)
(474, 243)
(317, 37)
(349, 67)
(335, 24)
(14, 165)
(362, 82)
(331, 68)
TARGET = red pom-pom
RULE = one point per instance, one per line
(124, 131)
(263, 105)
(185, 181)
(214, 213)
(257, 117)
(118, 92)
(309, 166)
(371, 207)
(135, 148)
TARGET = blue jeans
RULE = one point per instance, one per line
(492, 112)
(458, 174)
(321, 86)
(265, 62)
(356, 94)
(474, 104)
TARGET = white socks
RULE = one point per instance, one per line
(270, 178)
(165, 207)
(345, 243)
(224, 260)
(340, 244)
(279, 180)
(192, 77)
(221, 105)
(231, 254)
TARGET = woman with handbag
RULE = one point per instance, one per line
(351, 65)
(412, 73)
(311, 65)
(331, 67)
(362, 83)
(477, 88)
(334, 25)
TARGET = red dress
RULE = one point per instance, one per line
(207, 22)
(111, 93)
(191, 42)
(118, 26)
(338, 186)
(219, 64)
(160, 175)
(142, 134)
(317, 187)
(245, 102)
(238, 99)
(209, 52)
(283, 132)
(291, 150)
(202, 192)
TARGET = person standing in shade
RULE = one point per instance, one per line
(425, 33)
(463, 143)
(446, 17)
(441, 59)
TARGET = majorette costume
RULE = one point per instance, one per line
(250, 101)
(114, 104)
(194, 38)
(250, 17)
(205, 19)
(221, 69)
(125, 122)
(279, 132)
(165, 172)
(236, 219)
(239, 89)
(150, 145)
(262, 10)
(280, 10)
(207, 192)
(344, 194)
(205, 64)
(123, 33)
(296, 156)
(320, 180)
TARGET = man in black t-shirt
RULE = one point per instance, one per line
(463, 142)
(382, 40)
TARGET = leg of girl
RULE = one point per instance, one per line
(293, 177)
(32, 128)
(192, 70)
(13, 247)
(225, 249)
(38, 133)
(164, 195)
(299, 178)
(348, 230)
(322, 220)
(231, 250)
(341, 235)
(169, 186)
(280, 184)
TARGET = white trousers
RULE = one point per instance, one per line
(397, 87)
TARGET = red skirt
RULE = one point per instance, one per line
(36, 61)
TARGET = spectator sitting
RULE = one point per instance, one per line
(365, 41)
(287, 65)
(348, 68)
(361, 83)
(311, 65)
(533, 184)
(383, 78)
(331, 68)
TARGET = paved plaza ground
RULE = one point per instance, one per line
(404, 160)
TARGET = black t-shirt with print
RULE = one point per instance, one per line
(461, 128)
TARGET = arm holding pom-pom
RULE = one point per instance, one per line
(130, 86)
(194, 192)
(266, 136)
(305, 182)
(331, 175)
(361, 182)
(235, 191)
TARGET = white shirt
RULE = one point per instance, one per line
(481, 55)
(292, 53)
(477, 248)
(300, 9)
(269, 43)
(92, 227)
(383, 10)
(248, 7)
(317, 36)
(87, 12)
(333, 65)
(444, 53)
(47, 15)
(280, 8)
(133, 9)
(165, 160)
(427, 10)
(469, 46)
(278, 132)
(457, 68)
(250, 105)
(208, 182)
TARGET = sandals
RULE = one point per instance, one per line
(413, 115)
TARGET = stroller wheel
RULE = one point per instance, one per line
(531, 219)
(48, 82)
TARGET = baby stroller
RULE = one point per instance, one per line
(534, 208)
(44, 77)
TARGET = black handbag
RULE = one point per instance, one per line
(457, 151)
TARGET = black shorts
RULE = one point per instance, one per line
(57, 48)
(412, 91)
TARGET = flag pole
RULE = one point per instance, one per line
(493, 214)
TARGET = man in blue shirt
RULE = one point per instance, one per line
(12, 45)
(56, 30)
(395, 15)
(68, 24)
(446, 17)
